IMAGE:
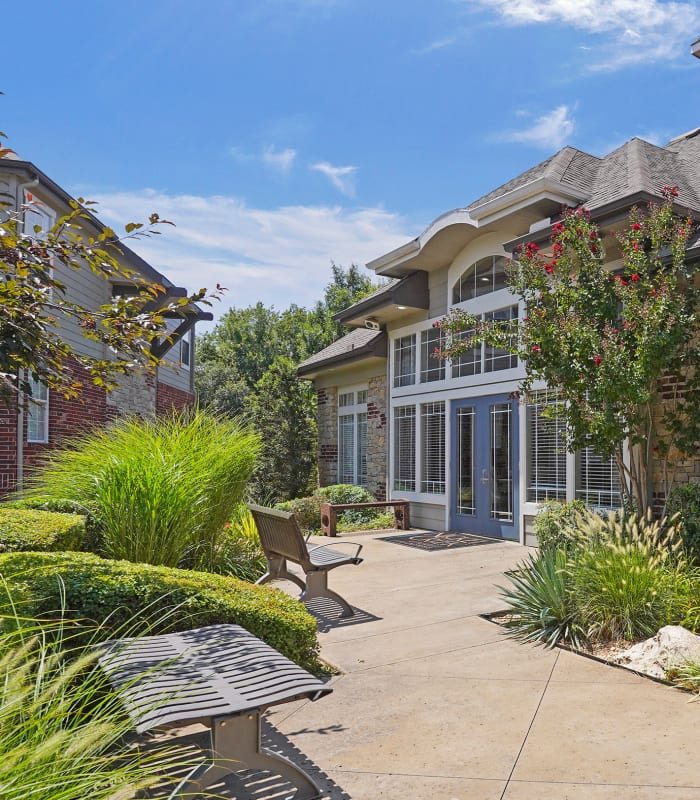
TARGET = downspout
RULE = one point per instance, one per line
(20, 396)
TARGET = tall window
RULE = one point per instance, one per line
(597, 480)
(432, 367)
(433, 448)
(352, 437)
(546, 450)
(405, 360)
(185, 351)
(485, 357)
(405, 448)
(483, 277)
(38, 412)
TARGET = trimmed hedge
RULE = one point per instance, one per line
(140, 599)
(29, 529)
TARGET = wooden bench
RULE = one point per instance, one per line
(329, 514)
(221, 675)
(282, 541)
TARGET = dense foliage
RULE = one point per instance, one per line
(29, 529)
(160, 489)
(145, 598)
(604, 338)
(555, 525)
(307, 510)
(684, 500)
(62, 733)
(616, 577)
(246, 365)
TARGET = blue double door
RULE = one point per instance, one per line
(485, 466)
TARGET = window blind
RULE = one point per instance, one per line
(597, 480)
(433, 448)
(546, 450)
(346, 448)
(405, 448)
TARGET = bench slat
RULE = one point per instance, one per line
(206, 672)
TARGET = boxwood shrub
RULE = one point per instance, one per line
(142, 598)
(30, 529)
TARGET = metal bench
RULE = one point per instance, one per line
(222, 676)
(282, 541)
(329, 513)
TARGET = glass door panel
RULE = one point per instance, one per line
(485, 458)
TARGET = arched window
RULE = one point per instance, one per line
(483, 277)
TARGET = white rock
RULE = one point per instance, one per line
(671, 647)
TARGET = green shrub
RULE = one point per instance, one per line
(161, 489)
(307, 510)
(240, 553)
(687, 675)
(541, 603)
(62, 734)
(625, 581)
(92, 539)
(112, 593)
(28, 529)
(685, 501)
(556, 524)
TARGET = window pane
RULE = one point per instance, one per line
(466, 500)
(346, 399)
(500, 275)
(405, 360)
(432, 367)
(346, 449)
(546, 451)
(484, 276)
(433, 448)
(362, 397)
(597, 480)
(405, 448)
(38, 412)
(469, 363)
(501, 462)
(496, 358)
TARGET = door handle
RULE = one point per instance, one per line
(484, 476)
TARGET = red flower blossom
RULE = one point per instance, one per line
(557, 250)
(635, 277)
(636, 226)
(597, 361)
(593, 235)
(635, 245)
(535, 348)
(549, 268)
(623, 282)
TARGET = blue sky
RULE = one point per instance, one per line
(281, 135)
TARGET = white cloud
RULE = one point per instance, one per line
(551, 131)
(431, 47)
(633, 30)
(282, 160)
(279, 256)
(343, 178)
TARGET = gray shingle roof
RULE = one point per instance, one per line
(358, 338)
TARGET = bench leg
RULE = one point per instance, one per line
(277, 570)
(317, 586)
(236, 746)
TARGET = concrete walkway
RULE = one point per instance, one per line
(434, 703)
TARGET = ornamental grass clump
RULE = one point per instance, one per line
(624, 583)
(61, 729)
(160, 489)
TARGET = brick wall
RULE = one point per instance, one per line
(169, 399)
(377, 436)
(327, 420)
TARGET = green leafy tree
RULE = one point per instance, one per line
(35, 303)
(619, 345)
(246, 365)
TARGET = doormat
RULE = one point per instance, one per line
(447, 540)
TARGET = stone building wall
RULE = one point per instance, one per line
(136, 394)
(377, 436)
(327, 420)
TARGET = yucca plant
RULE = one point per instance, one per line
(624, 583)
(540, 602)
(61, 729)
(161, 489)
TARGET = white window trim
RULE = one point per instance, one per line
(346, 411)
(44, 405)
(187, 338)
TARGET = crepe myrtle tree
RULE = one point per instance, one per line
(34, 303)
(617, 342)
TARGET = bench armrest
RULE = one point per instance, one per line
(335, 546)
